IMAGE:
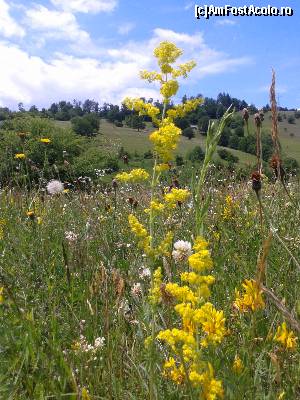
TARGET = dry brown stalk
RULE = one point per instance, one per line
(262, 262)
(289, 316)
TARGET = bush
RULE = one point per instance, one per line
(239, 131)
(291, 165)
(291, 119)
(226, 155)
(179, 160)
(203, 124)
(297, 114)
(148, 154)
(196, 155)
(189, 133)
(119, 124)
(87, 125)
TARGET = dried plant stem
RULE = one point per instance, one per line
(281, 307)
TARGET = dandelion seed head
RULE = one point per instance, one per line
(55, 187)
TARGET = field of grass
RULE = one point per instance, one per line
(75, 309)
(134, 141)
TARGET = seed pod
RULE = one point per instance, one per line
(114, 184)
(256, 181)
(257, 120)
(245, 113)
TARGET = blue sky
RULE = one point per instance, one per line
(67, 49)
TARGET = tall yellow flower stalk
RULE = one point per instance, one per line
(201, 324)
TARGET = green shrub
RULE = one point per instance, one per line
(196, 155)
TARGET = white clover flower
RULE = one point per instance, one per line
(182, 250)
(71, 236)
(136, 290)
(55, 187)
(144, 273)
(99, 343)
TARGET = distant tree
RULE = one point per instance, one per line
(135, 122)
(86, 125)
(189, 133)
(291, 119)
(225, 136)
(21, 107)
(279, 118)
(179, 160)
(291, 165)
(203, 124)
(297, 114)
(196, 155)
(234, 142)
(182, 123)
(226, 155)
(239, 131)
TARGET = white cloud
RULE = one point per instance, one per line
(226, 21)
(111, 76)
(56, 24)
(125, 28)
(86, 6)
(8, 26)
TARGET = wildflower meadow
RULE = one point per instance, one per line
(162, 281)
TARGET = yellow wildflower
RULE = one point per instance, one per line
(212, 323)
(211, 388)
(181, 293)
(155, 292)
(85, 395)
(1, 295)
(178, 340)
(162, 167)
(136, 227)
(45, 140)
(136, 175)
(20, 156)
(238, 365)
(164, 247)
(181, 110)
(167, 53)
(194, 279)
(165, 140)
(252, 299)
(156, 207)
(285, 337)
(176, 195)
(176, 374)
(169, 89)
(200, 261)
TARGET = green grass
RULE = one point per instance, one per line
(134, 141)
(56, 290)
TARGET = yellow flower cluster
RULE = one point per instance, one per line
(238, 365)
(252, 299)
(165, 140)
(45, 140)
(201, 325)
(176, 196)
(229, 208)
(2, 225)
(171, 371)
(171, 200)
(1, 295)
(182, 109)
(142, 108)
(134, 176)
(155, 291)
(141, 233)
(211, 388)
(285, 337)
(20, 156)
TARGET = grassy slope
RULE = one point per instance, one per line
(133, 140)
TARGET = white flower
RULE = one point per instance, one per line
(99, 343)
(136, 290)
(55, 187)
(71, 236)
(182, 250)
(144, 273)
